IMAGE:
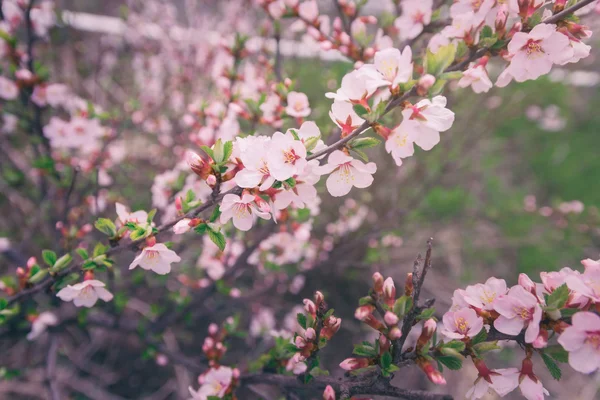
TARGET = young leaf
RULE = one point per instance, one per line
(227, 150)
(551, 365)
(558, 298)
(218, 238)
(49, 257)
(82, 253)
(301, 318)
(558, 353)
(106, 226)
(450, 362)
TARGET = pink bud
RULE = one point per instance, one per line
(527, 283)
(395, 333)
(378, 283)
(310, 307)
(542, 340)
(31, 262)
(426, 81)
(178, 203)
(300, 342)
(310, 334)
(391, 319)
(319, 298)
(329, 393)
(369, 52)
(235, 293)
(236, 373)
(389, 292)
(430, 326)
(363, 312)
(351, 364)
(213, 329)
(326, 45)
(337, 24)
(433, 374)
(211, 180)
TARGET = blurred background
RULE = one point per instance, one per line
(512, 188)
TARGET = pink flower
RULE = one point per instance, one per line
(462, 324)
(308, 10)
(396, 67)
(433, 117)
(483, 295)
(85, 294)
(400, 142)
(286, 156)
(215, 382)
(182, 226)
(502, 381)
(359, 85)
(588, 283)
(241, 210)
(297, 105)
(582, 341)
(530, 385)
(344, 116)
(415, 15)
(157, 258)
(296, 364)
(8, 89)
(476, 77)
(352, 364)
(534, 53)
(329, 393)
(518, 309)
(346, 172)
(253, 153)
(41, 324)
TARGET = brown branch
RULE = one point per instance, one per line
(53, 390)
(566, 12)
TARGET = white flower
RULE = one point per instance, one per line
(433, 117)
(286, 156)
(86, 293)
(139, 217)
(157, 258)
(476, 77)
(415, 15)
(346, 172)
(344, 116)
(395, 67)
(400, 142)
(359, 85)
(253, 153)
(41, 324)
(182, 226)
(214, 383)
(8, 89)
(298, 105)
(241, 210)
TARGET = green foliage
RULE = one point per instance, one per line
(552, 366)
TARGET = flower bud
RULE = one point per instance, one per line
(426, 81)
(195, 162)
(178, 204)
(395, 333)
(408, 285)
(329, 393)
(389, 292)
(300, 342)
(31, 262)
(542, 340)
(310, 307)
(426, 334)
(391, 319)
(319, 298)
(352, 364)
(433, 374)
(527, 283)
(378, 283)
(236, 373)
(211, 180)
(363, 312)
(213, 329)
(182, 226)
(310, 334)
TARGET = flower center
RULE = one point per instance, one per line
(487, 297)
(346, 174)
(461, 325)
(593, 338)
(298, 106)
(524, 313)
(290, 156)
(240, 210)
(418, 17)
(400, 140)
(533, 47)
(152, 255)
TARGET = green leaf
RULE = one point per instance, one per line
(402, 305)
(364, 143)
(151, 215)
(450, 362)
(227, 150)
(361, 154)
(137, 234)
(558, 353)
(455, 345)
(484, 347)
(49, 257)
(201, 228)
(486, 32)
(301, 318)
(436, 63)
(558, 298)
(219, 151)
(480, 337)
(551, 365)
(99, 249)
(448, 76)
(361, 111)
(82, 253)
(208, 151)
(3, 303)
(386, 360)
(38, 276)
(426, 314)
(363, 301)
(215, 214)
(364, 350)
(106, 226)
(311, 142)
(62, 263)
(218, 238)
(568, 312)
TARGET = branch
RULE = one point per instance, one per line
(566, 12)
(53, 390)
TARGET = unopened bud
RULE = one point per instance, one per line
(319, 298)
(395, 333)
(211, 180)
(389, 292)
(433, 374)
(426, 82)
(378, 283)
(391, 319)
(310, 334)
(329, 393)
(408, 285)
(352, 364)
(310, 307)
(542, 340)
(363, 312)
(213, 329)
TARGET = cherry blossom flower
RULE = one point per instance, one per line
(502, 381)
(297, 105)
(483, 295)
(518, 309)
(85, 294)
(433, 118)
(139, 217)
(415, 15)
(254, 157)
(41, 323)
(308, 10)
(344, 116)
(400, 141)
(588, 283)
(534, 53)
(297, 364)
(582, 341)
(346, 172)
(462, 324)
(476, 77)
(359, 85)
(182, 226)
(396, 67)
(157, 258)
(215, 382)
(310, 130)
(286, 156)
(242, 210)
(8, 89)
